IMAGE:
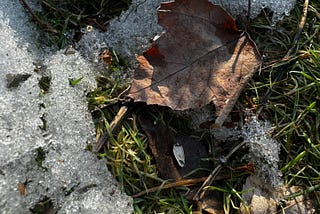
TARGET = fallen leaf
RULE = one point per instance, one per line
(301, 203)
(258, 196)
(22, 189)
(212, 203)
(161, 142)
(15, 80)
(202, 57)
(106, 57)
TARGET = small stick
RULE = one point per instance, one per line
(200, 193)
(183, 182)
(37, 19)
(114, 124)
(63, 13)
(300, 28)
(249, 9)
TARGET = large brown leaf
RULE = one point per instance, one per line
(202, 57)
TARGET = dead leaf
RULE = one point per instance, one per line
(106, 57)
(22, 189)
(15, 80)
(304, 203)
(259, 196)
(161, 142)
(201, 57)
(249, 167)
(212, 202)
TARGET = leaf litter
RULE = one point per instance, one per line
(202, 57)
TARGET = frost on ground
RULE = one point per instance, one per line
(43, 138)
(240, 7)
(44, 132)
(261, 188)
(264, 151)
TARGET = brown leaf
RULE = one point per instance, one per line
(106, 57)
(22, 189)
(201, 57)
(161, 141)
(212, 202)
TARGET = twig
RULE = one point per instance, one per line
(114, 124)
(300, 28)
(200, 193)
(288, 54)
(249, 9)
(304, 192)
(44, 25)
(183, 182)
(63, 13)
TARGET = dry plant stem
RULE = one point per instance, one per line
(183, 182)
(300, 28)
(113, 126)
(201, 191)
(44, 25)
(288, 54)
(304, 192)
(65, 15)
(249, 9)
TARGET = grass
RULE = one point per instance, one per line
(292, 107)
(286, 92)
(131, 162)
(59, 17)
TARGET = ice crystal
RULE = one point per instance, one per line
(264, 150)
